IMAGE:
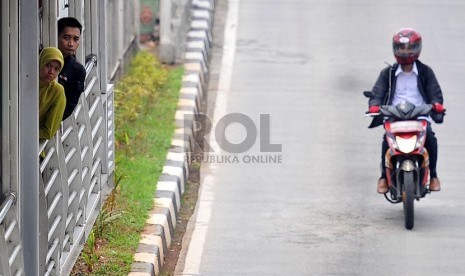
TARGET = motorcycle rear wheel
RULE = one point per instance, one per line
(408, 199)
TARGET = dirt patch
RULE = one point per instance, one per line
(187, 208)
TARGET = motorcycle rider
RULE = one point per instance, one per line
(408, 80)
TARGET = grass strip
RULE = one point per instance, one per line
(145, 105)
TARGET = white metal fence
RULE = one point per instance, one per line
(122, 27)
(74, 168)
(73, 180)
(11, 258)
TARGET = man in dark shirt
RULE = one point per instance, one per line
(73, 74)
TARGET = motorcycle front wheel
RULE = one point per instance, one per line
(408, 197)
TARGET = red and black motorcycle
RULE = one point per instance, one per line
(407, 160)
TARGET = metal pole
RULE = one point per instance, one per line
(53, 24)
(5, 86)
(166, 50)
(102, 45)
(29, 135)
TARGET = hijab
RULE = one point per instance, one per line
(52, 99)
(48, 54)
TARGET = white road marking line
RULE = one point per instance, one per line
(195, 251)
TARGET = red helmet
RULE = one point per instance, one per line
(406, 45)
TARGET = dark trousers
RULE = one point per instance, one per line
(431, 144)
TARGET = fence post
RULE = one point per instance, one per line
(29, 137)
(166, 51)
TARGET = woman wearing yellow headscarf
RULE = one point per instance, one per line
(52, 99)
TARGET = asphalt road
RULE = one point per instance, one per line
(305, 63)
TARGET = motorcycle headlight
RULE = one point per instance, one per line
(406, 145)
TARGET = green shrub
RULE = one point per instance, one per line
(145, 105)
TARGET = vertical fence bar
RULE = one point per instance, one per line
(29, 133)
(102, 45)
(13, 99)
(4, 86)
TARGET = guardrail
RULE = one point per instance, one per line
(73, 181)
(73, 185)
(11, 256)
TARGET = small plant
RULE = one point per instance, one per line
(104, 218)
(89, 255)
(111, 200)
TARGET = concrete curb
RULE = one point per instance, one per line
(159, 230)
